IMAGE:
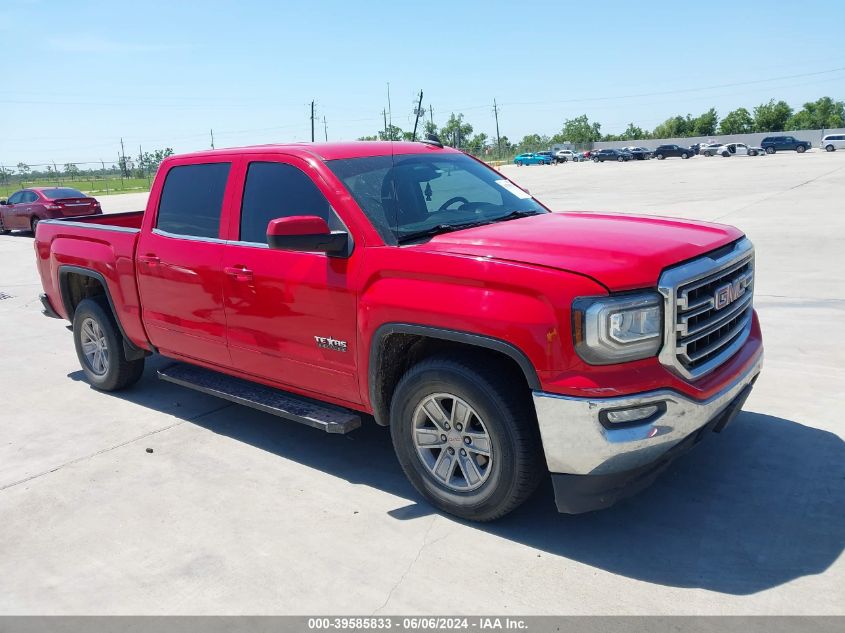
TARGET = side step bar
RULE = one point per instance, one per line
(327, 417)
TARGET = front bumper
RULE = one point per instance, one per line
(603, 459)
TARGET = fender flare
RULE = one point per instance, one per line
(458, 336)
(131, 351)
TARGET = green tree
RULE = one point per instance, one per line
(533, 143)
(392, 133)
(674, 127)
(429, 127)
(823, 113)
(71, 170)
(456, 132)
(705, 124)
(578, 130)
(23, 169)
(771, 116)
(477, 144)
(738, 121)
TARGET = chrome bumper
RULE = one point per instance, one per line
(576, 442)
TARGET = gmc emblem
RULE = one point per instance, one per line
(727, 294)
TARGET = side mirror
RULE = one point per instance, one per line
(307, 233)
(3, 201)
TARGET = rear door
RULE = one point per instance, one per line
(179, 263)
(282, 307)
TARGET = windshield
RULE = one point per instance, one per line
(412, 196)
(62, 192)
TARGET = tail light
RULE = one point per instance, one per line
(53, 207)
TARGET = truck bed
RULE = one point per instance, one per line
(102, 246)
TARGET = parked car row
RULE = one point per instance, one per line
(769, 145)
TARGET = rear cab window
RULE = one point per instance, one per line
(192, 200)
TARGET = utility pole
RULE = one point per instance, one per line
(56, 170)
(498, 137)
(312, 121)
(417, 119)
(389, 111)
(325, 128)
(212, 139)
(141, 159)
(431, 114)
(384, 113)
(122, 153)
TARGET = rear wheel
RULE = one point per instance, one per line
(33, 224)
(466, 437)
(619, 159)
(99, 347)
(770, 150)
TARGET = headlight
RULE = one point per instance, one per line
(611, 330)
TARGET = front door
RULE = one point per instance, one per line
(179, 265)
(291, 315)
(10, 210)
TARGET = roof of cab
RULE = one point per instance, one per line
(328, 151)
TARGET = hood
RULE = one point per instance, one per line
(622, 252)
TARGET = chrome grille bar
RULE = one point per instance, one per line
(708, 307)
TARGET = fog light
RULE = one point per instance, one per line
(623, 416)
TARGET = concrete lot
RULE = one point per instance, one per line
(239, 512)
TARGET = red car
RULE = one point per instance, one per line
(412, 284)
(26, 208)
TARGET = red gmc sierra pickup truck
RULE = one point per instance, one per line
(412, 283)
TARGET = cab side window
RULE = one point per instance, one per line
(278, 190)
(16, 198)
(192, 200)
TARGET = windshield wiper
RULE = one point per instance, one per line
(513, 215)
(448, 228)
(437, 230)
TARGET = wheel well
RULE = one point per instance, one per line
(398, 352)
(76, 287)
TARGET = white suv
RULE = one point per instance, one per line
(833, 142)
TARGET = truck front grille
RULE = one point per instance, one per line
(708, 309)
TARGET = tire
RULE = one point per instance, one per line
(726, 154)
(770, 150)
(33, 224)
(684, 155)
(619, 159)
(93, 321)
(659, 156)
(501, 412)
(595, 160)
(800, 149)
(752, 153)
(829, 148)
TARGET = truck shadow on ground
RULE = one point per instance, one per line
(750, 509)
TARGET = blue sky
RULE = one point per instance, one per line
(79, 75)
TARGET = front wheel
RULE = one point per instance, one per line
(800, 149)
(684, 155)
(99, 347)
(829, 148)
(619, 159)
(466, 437)
(770, 150)
(660, 156)
(726, 154)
